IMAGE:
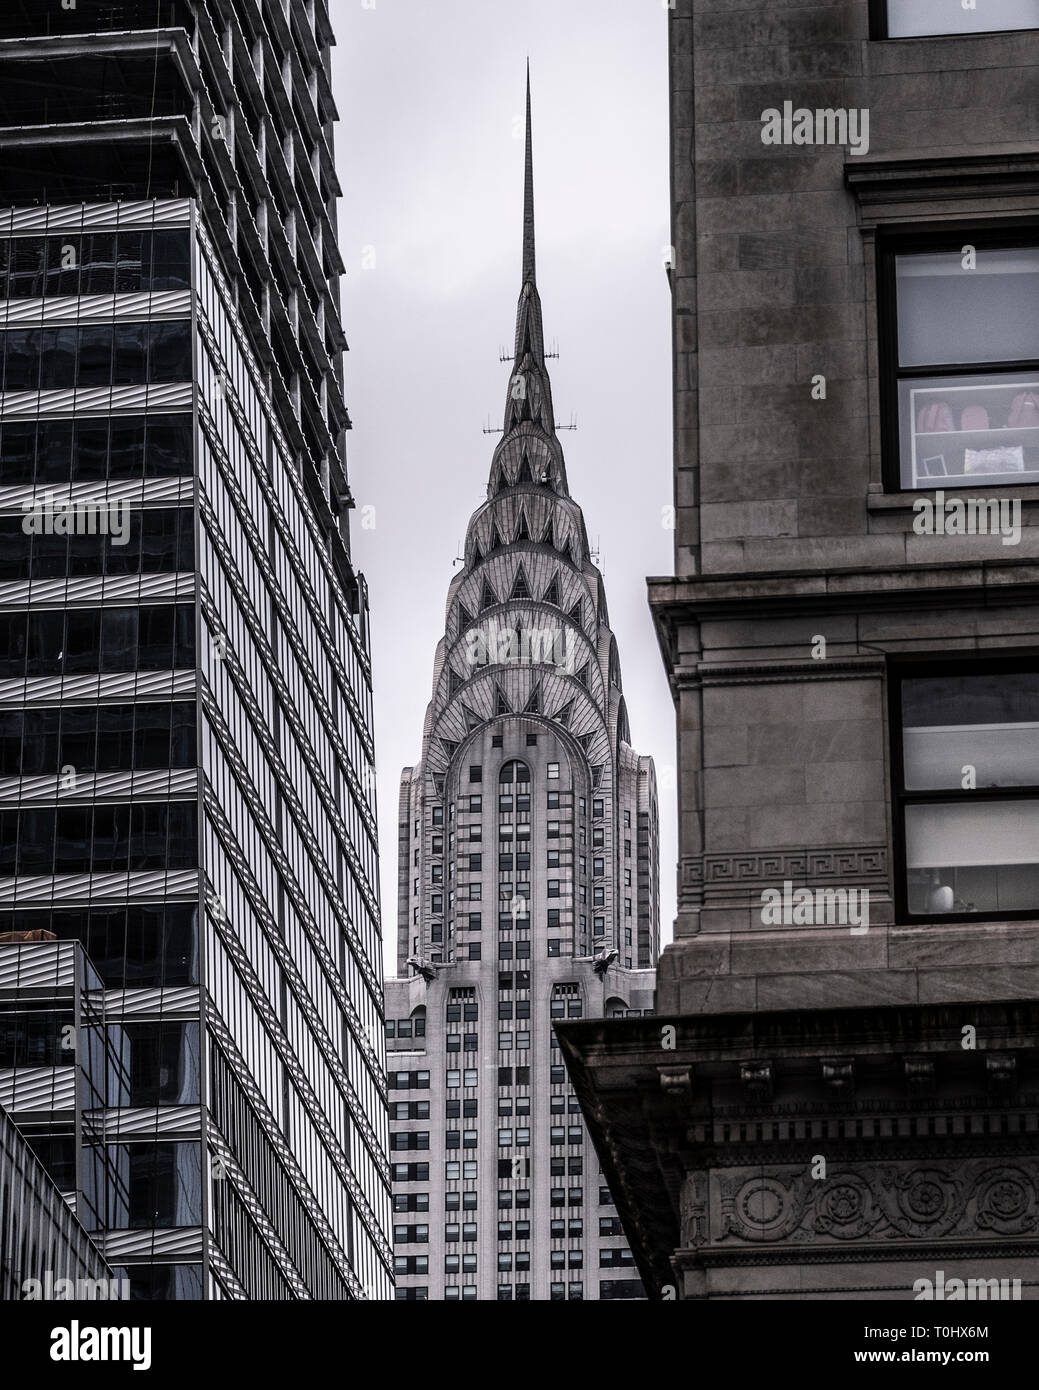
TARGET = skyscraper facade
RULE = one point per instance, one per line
(528, 888)
(185, 684)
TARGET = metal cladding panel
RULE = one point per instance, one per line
(143, 492)
(27, 1089)
(168, 212)
(37, 964)
(98, 400)
(173, 1121)
(104, 786)
(152, 1243)
(19, 892)
(128, 685)
(107, 588)
(96, 308)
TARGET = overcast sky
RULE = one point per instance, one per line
(430, 155)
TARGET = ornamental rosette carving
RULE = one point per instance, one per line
(922, 1201)
(845, 1206)
(761, 1208)
(1005, 1202)
(979, 1198)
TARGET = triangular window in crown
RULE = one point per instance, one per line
(495, 539)
(465, 618)
(501, 704)
(523, 530)
(551, 594)
(597, 773)
(488, 598)
(472, 721)
(520, 589)
(564, 715)
(585, 740)
(533, 705)
(449, 746)
(454, 680)
(577, 612)
(438, 784)
(524, 475)
(582, 675)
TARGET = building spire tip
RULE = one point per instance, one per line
(528, 197)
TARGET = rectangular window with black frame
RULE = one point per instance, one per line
(903, 19)
(966, 761)
(959, 334)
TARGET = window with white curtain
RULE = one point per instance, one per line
(968, 793)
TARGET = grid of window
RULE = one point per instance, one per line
(60, 641)
(94, 450)
(97, 738)
(86, 355)
(78, 263)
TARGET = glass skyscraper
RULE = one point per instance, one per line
(186, 744)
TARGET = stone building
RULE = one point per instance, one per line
(847, 1102)
(528, 889)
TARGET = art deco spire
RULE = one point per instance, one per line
(530, 393)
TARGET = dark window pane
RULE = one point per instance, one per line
(184, 646)
(50, 554)
(83, 640)
(182, 751)
(151, 738)
(64, 256)
(111, 838)
(16, 453)
(170, 451)
(115, 738)
(170, 355)
(72, 840)
(54, 451)
(171, 251)
(90, 458)
(40, 748)
(13, 637)
(27, 265)
(11, 722)
(85, 554)
(14, 548)
(130, 363)
(45, 641)
(8, 842)
(158, 541)
(79, 738)
(156, 639)
(124, 557)
(22, 359)
(182, 821)
(99, 263)
(95, 355)
(148, 836)
(130, 249)
(186, 540)
(58, 358)
(160, 1063)
(127, 450)
(36, 840)
(119, 628)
